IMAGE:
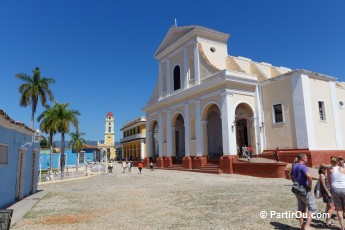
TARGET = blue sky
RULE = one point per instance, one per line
(101, 52)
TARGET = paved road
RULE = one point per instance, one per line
(164, 199)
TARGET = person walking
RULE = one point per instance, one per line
(276, 154)
(300, 173)
(250, 150)
(129, 166)
(151, 166)
(110, 167)
(124, 166)
(325, 192)
(336, 178)
(140, 167)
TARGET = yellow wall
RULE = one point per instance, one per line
(324, 130)
(132, 149)
(283, 134)
(341, 97)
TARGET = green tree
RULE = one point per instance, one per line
(76, 143)
(49, 126)
(33, 89)
(65, 118)
(44, 143)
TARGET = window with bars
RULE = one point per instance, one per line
(4, 154)
(322, 113)
(278, 113)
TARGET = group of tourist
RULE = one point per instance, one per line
(128, 166)
(245, 152)
(332, 189)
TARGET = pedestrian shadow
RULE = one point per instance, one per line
(316, 224)
(278, 225)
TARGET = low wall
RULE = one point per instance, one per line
(267, 170)
(315, 157)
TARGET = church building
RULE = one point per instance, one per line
(109, 138)
(207, 105)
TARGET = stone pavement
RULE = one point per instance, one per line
(23, 206)
(163, 199)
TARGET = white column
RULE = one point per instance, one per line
(148, 140)
(305, 136)
(142, 149)
(160, 76)
(228, 129)
(185, 67)
(167, 69)
(196, 63)
(173, 141)
(259, 126)
(186, 129)
(169, 138)
(338, 135)
(204, 136)
(160, 136)
(198, 129)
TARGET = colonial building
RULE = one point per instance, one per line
(109, 138)
(133, 141)
(19, 150)
(207, 104)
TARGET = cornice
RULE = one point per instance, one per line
(213, 81)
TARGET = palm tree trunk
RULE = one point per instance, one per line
(77, 162)
(63, 158)
(32, 117)
(51, 152)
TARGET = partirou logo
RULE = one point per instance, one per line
(291, 215)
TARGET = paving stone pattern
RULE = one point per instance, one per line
(164, 199)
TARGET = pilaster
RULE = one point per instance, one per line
(228, 129)
(198, 129)
(160, 136)
(167, 69)
(185, 67)
(187, 129)
(196, 62)
(169, 139)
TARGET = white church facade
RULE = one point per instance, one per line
(207, 104)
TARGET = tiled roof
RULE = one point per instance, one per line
(86, 146)
(15, 123)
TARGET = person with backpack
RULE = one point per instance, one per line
(301, 176)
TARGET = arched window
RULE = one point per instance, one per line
(177, 78)
(109, 129)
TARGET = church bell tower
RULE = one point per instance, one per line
(109, 137)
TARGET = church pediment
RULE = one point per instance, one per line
(176, 33)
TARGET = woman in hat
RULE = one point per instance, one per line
(325, 192)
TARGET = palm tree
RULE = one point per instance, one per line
(76, 143)
(33, 88)
(65, 117)
(49, 126)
